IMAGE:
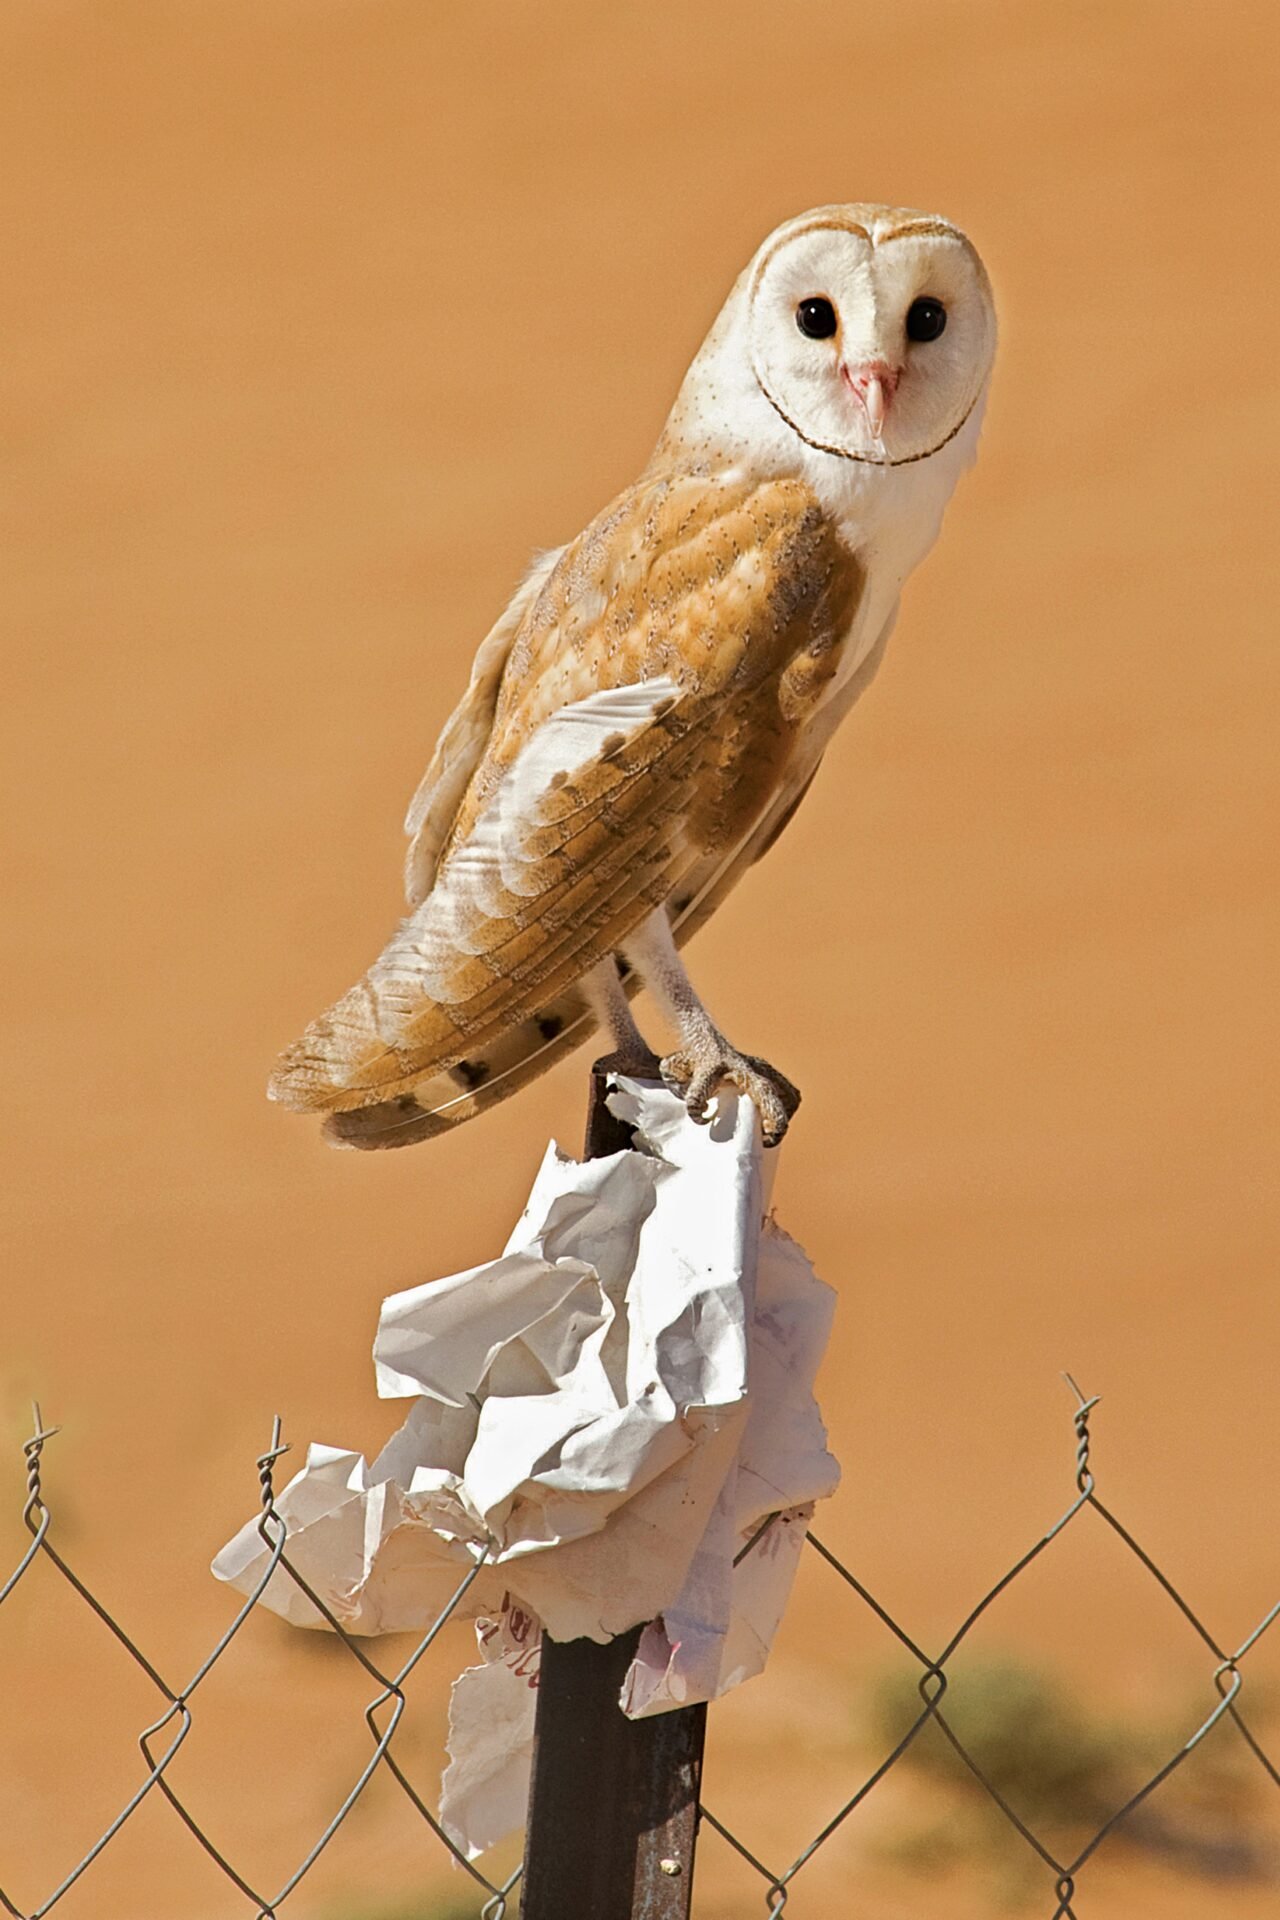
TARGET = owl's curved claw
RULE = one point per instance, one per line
(695, 1070)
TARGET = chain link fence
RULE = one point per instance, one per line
(176, 1706)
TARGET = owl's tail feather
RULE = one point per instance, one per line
(444, 1100)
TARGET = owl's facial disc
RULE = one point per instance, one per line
(872, 336)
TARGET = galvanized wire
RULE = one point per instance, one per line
(160, 1741)
(177, 1713)
(1225, 1678)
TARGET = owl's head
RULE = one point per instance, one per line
(866, 331)
(870, 330)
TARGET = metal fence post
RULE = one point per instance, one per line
(613, 1803)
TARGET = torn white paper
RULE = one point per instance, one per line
(608, 1412)
(485, 1790)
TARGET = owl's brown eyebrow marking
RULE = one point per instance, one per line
(827, 226)
(823, 225)
(939, 228)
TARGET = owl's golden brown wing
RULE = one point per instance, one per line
(652, 697)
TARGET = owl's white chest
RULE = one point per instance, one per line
(889, 519)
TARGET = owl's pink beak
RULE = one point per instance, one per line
(873, 383)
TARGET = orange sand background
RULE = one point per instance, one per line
(318, 318)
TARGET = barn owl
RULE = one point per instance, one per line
(646, 715)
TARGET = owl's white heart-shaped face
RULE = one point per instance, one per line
(871, 331)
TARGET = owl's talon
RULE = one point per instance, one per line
(694, 1073)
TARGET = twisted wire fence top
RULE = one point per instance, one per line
(162, 1739)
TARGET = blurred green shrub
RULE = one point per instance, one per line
(1064, 1772)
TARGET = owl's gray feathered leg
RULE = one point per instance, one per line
(704, 1057)
(604, 994)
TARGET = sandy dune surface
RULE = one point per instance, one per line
(317, 319)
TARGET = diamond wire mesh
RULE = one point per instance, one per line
(177, 1714)
(160, 1742)
(1226, 1679)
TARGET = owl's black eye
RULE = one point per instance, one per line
(925, 319)
(816, 318)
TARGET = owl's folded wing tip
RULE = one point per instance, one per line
(295, 1083)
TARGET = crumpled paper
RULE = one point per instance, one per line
(603, 1416)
